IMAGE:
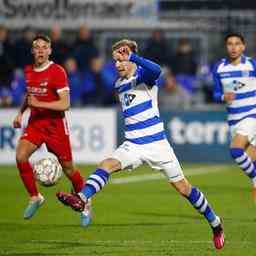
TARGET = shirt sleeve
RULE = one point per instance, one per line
(160, 82)
(253, 62)
(60, 80)
(217, 90)
(149, 71)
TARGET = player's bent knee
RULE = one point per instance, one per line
(110, 165)
(24, 150)
(21, 157)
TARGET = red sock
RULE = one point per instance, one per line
(27, 176)
(77, 181)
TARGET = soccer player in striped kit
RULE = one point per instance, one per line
(145, 137)
(235, 84)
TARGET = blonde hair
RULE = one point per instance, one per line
(126, 42)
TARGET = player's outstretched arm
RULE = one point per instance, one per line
(62, 104)
(18, 118)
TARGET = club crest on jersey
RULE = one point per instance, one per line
(238, 85)
(43, 83)
(128, 99)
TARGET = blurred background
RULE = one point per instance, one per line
(184, 37)
(137, 214)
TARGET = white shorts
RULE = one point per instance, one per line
(158, 155)
(246, 127)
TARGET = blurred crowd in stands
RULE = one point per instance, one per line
(92, 78)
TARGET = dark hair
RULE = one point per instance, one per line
(240, 36)
(126, 42)
(42, 37)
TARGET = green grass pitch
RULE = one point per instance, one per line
(135, 218)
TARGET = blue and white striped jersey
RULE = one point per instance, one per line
(241, 80)
(138, 97)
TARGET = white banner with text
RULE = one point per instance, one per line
(93, 135)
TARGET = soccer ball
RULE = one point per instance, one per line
(47, 171)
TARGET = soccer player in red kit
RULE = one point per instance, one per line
(48, 99)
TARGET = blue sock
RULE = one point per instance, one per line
(198, 200)
(244, 162)
(95, 183)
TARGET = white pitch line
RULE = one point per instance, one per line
(158, 176)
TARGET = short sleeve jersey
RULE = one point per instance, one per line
(45, 84)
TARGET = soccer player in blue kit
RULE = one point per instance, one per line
(145, 139)
(235, 84)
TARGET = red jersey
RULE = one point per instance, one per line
(44, 84)
(45, 125)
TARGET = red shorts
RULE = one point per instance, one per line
(54, 133)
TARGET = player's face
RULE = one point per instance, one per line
(235, 47)
(123, 68)
(41, 51)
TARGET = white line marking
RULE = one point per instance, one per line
(158, 176)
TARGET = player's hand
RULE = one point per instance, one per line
(33, 101)
(125, 52)
(117, 56)
(122, 54)
(229, 97)
(17, 121)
